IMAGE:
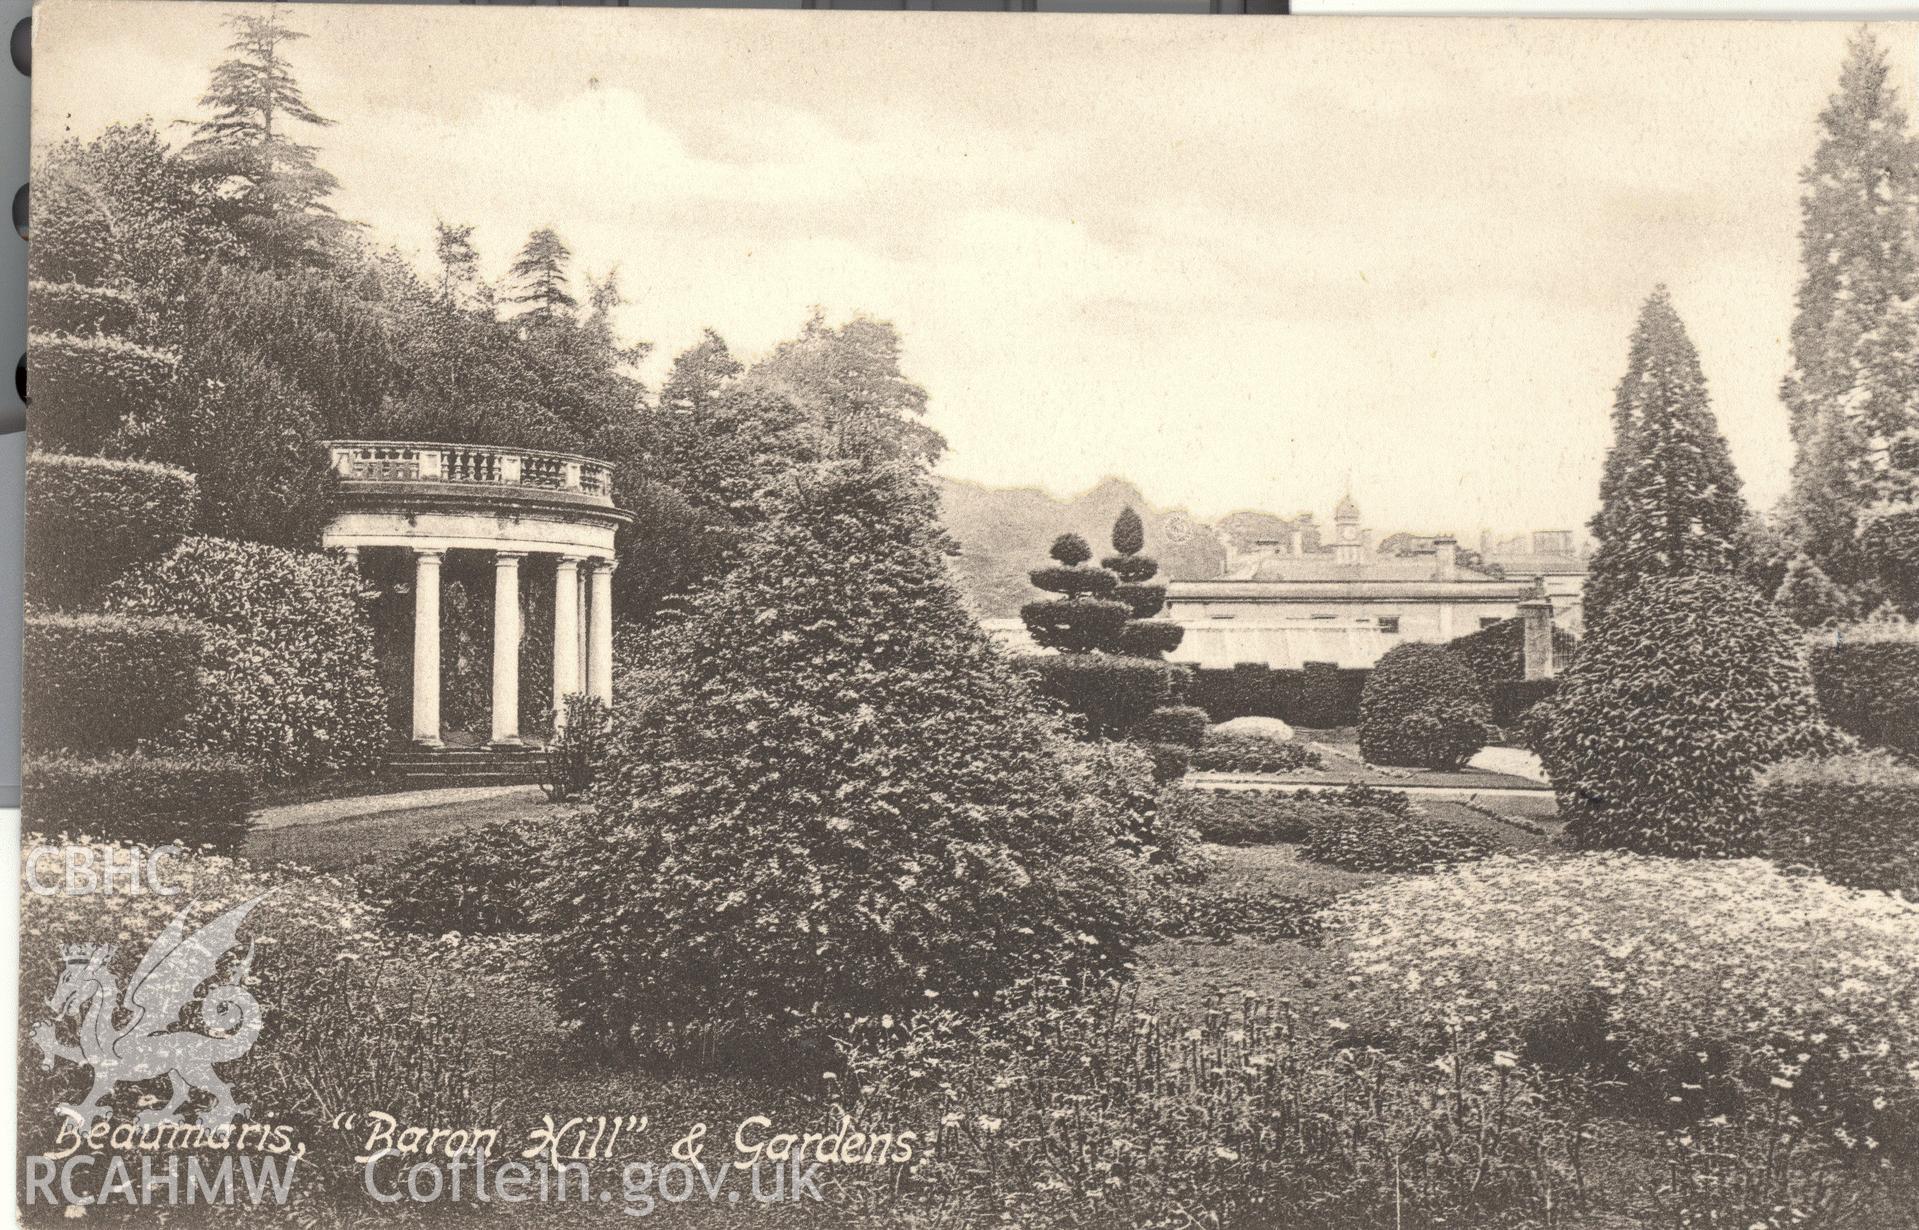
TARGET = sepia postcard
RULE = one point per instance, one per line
(925, 620)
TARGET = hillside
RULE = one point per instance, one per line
(1003, 533)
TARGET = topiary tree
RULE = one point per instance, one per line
(835, 796)
(290, 683)
(90, 519)
(1082, 619)
(1422, 706)
(1671, 708)
(1140, 635)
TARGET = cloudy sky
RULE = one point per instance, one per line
(1232, 261)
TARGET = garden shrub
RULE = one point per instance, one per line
(1867, 679)
(1497, 652)
(85, 385)
(93, 683)
(1370, 839)
(1184, 725)
(1854, 819)
(1112, 691)
(1221, 752)
(1686, 691)
(90, 519)
(1258, 817)
(1325, 699)
(474, 882)
(1698, 985)
(573, 760)
(193, 799)
(75, 308)
(1422, 707)
(291, 683)
(840, 799)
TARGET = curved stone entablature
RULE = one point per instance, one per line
(428, 499)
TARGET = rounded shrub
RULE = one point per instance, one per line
(1696, 986)
(95, 683)
(1868, 685)
(1422, 707)
(291, 684)
(89, 519)
(1686, 691)
(837, 799)
(150, 799)
(1854, 819)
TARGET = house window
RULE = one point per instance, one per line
(1487, 621)
(1389, 624)
(1323, 617)
(1220, 615)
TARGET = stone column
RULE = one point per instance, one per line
(599, 640)
(566, 635)
(506, 648)
(1537, 614)
(426, 647)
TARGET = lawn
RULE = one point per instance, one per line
(355, 840)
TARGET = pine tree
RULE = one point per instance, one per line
(1854, 385)
(1669, 497)
(272, 192)
(539, 278)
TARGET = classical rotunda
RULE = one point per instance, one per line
(410, 512)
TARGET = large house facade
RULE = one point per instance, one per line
(1284, 605)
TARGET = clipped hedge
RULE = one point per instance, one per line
(1184, 725)
(95, 683)
(1423, 708)
(1497, 652)
(1369, 839)
(1869, 688)
(83, 387)
(71, 307)
(1854, 819)
(1319, 696)
(89, 519)
(291, 683)
(194, 799)
(1112, 691)
(1246, 753)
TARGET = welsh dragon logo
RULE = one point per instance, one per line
(135, 1038)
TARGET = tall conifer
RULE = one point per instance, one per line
(1854, 386)
(1669, 499)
